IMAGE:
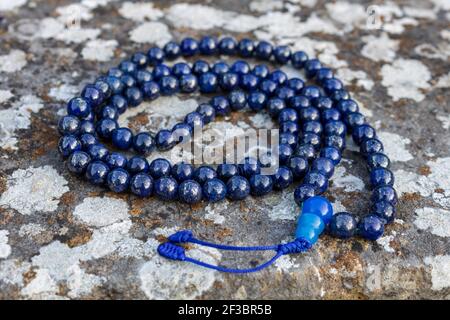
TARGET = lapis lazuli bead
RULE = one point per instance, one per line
(161, 70)
(331, 114)
(227, 170)
(288, 114)
(78, 162)
(204, 173)
(264, 50)
(164, 140)
(284, 92)
(68, 144)
(275, 106)
(289, 127)
(227, 45)
(249, 167)
(98, 152)
(282, 178)
(159, 168)
(347, 106)
(343, 225)
(172, 50)
(298, 166)
(208, 45)
(228, 81)
(140, 59)
(118, 180)
(335, 128)
(194, 119)
(141, 184)
(269, 87)
(182, 132)
(116, 160)
(151, 90)
(207, 111)
(309, 227)
(96, 172)
(309, 114)
(155, 56)
(306, 151)
(214, 190)
(380, 177)
(313, 127)
(310, 138)
(109, 112)
(93, 95)
(190, 191)
(78, 107)
(69, 125)
(237, 99)
(299, 102)
(168, 85)
(296, 84)
(220, 67)
(378, 160)
(122, 138)
(128, 81)
(260, 184)
(384, 210)
(249, 82)
(369, 146)
(261, 71)
(188, 83)
(318, 180)
(182, 171)
(371, 227)
(240, 67)
(363, 132)
(323, 103)
(119, 102)
(137, 164)
(311, 67)
(289, 139)
(285, 152)
(331, 153)
(114, 84)
(134, 96)
(189, 47)
(143, 143)
(105, 128)
(282, 54)
(257, 100)
(385, 193)
(246, 47)
(200, 67)
(335, 141)
(319, 206)
(166, 188)
(298, 59)
(181, 68)
(143, 76)
(278, 76)
(238, 188)
(303, 192)
(221, 105)
(87, 140)
(324, 166)
(208, 82)
(354, 119)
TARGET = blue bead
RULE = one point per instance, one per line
(330, 85)
(335, 141)
(298, 59)
(194, 119)
(282, 178)
(371, 227)
(160, 71)
(109, 112)
(137, 164)
(339, 95)
(309, 227)
(306, 151)
(285, 93)
(180, 69)
(269, 87)
(69, 125)
(168, 85)
(257, 100)
(240, 67)
(296, 84)
(207, 111)
(172, 50)
(289, 127)
(237, 99)
(384, 210)
(118, 180)
(319, 206)
(78, 107)
(331, 153)
(318, 180)
(363, 132)
(159, 168)
(309, 114)
(323, 165)
(96, 172)
(263, 50)
(87, 140)
(323, 103)
(336, 128)
(347, 106)
(134, 96)
(119, 102)
(200, 67)
(369, 146)
(190, 191)
(103, 86)
(312, 92)
(227, 46)
(68, 144)
(298, 166)
(354, 119)
(260, 184)
(227, 170)
(299, 102)
(78, 162)
(282, 54)
(246, 47)
(310, 138)
(208, 82)
(214, 190)
(385, 193)
(182, 171)
(284, 153)
(288, 114)
(143, 143)
(105, 128)
(122, 138)
(189, 47)
(323, 74)
(279, 77)
(221, 105)
(249, 82)
(115, 72)
(208, 45)
(166, 188)
(204, 173)
(311, 67)
(303, 192)
(128, 67)
(275, 106)
(381, 176)
(140, 59)
(151, 90)
(182, 132)
(165, 140)
(98, 152)
(289, 139)
(331, 114)
(238, 188)
(220, 67)
(313, 127)
(93, 95)
(114, 84)
(128, 81)
(343, 225)
(378, 160)
(249, 167)
(155, 56)
(261, 71)
(141, 184)
(116, 160)
(228, 81)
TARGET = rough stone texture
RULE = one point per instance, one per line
(54, 246)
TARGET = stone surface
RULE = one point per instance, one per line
(55, 243)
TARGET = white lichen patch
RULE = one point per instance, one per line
(342, 179)
(5, 248)
(380, 48)
(151, 32)
(214, 211)
(286, 263)
(5, 95)
(81, 283)
(358, 77)
(265, 5)
(436, 220)
(101, 212)
(12, 270)
(261, 120)
(99, 50)
(445, 121)
(140, 11)
(34, 190)
(440, 271)
(347, 14)
(31, 230)
(444, 81)
(386, 240)
(285, 209)
(14, 61)
(54, 28)
(42, 286)
(395, 146)
(406, 79)
(10, 5)
(64, 92)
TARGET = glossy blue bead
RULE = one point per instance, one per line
(263, 50)
(93, 95)
(165, 140)
(313, 127)
(155, 56)
(143, 143)
(381, 176)
(333, 84)
(324, 166)
(238, 188)
(182, 132)
(87, 140)
(166, 188)
(134, 96)
(221, 105)
(118, 180)
(109, 112)
(363, 132)
(282, 178)
(140, 59)
(331, 114)
(103, 86)
(115, 84)
(69, 125)
(257, 100)
(204, 173)
(378, 160)
(78, 107)
(306, 151)
(172, 50)
(208, 45)
(310, 138)
(249, 82)
(318, 180)
(290, 127)
(323, 103)
(181, 68)
(159, 168)
(141, 184)
(296, 84)
(282, 54)
(303, 192)
(227, 170)
(261, 71)
(208, 82)
(122, 138)
(319, 206)
(168, 85)
(137, 164)
(240, 67)
(284, 92)
(312, 92)
(309, 227)
(335, 141)
(68, 144)
(214, 190)
(347, 106)
(288, 114)
(298, 102)
(227, 45)
(260, 184)
(331, 153)
(343, 225)
(105, 128)
(119, 102)
(189, 47)
(298, 59)
(371, 227)
(228, 81)
(298, 166)
(269, 87)
(190, 191)
(339, 95)
(115, 72)
(97, 172)
(128, 81)
(207, 111)
(279, 77)
(200, 67)
(309, 114)
(354, 119)
(384, 210)
(128, 67)
(324, 74)
(116, 160)
(246, 47)
(311, 67)
(98, 152)
(249, 167)
(289, 139)
(237, 99)
(285, 152)
(275, 106)
(161, 70)
(220, 67)
(78, 162)
(372, 145)
(151, 90)
(182, 171)
(194, 119)
(385, 193)
(336, 128)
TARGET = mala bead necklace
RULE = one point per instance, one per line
(313, 120)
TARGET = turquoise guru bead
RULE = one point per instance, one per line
(314, 119)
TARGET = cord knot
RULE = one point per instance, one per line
(171, 251)
(181, 236)
(297, 246)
